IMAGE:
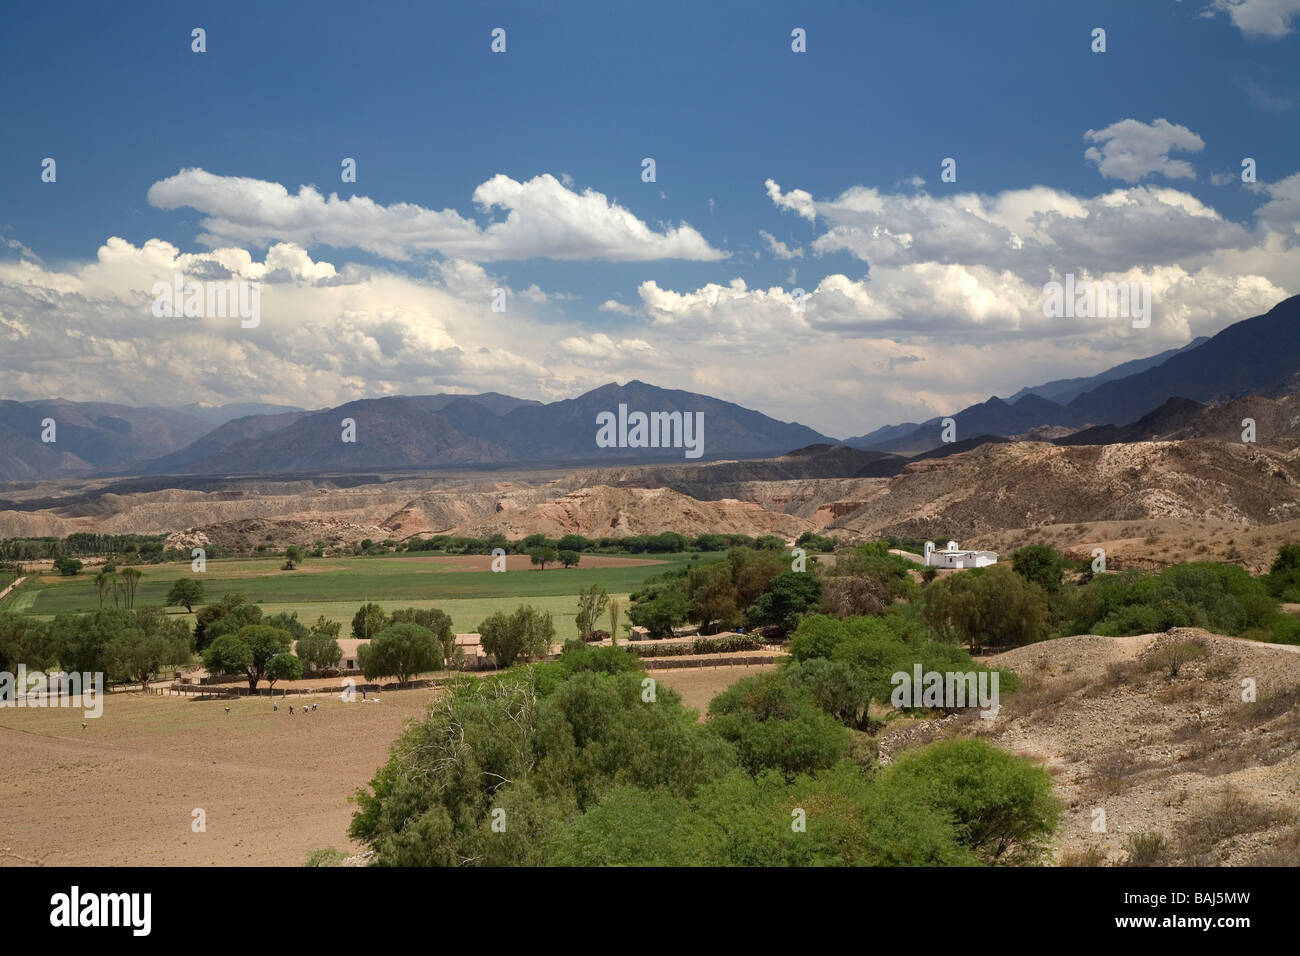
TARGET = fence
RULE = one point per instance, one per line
(208, 692)
(669, 663)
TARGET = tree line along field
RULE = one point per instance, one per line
(462, 586)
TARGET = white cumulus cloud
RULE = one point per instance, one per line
(1132, 150)
(544, 219)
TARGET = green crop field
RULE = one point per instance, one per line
(336, 587)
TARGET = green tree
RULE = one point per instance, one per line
(1001, 805)
(868, 580)
(232, 605)
(130, 582)
(249, 649)
(103, 582)
(1042, 564)
(140, 656)
(660, 611)
(292, 557)
(613, 620)
(237, 617)
(369, 620)
(592, 601)
(439, 622)
(67, 566)
(752, 571)
(319, 650)
(574, 542)
(83, 639)
(569, 559)
(401, 651)
(774, 725)
(25, 640)
(527, 633)
(228, 654)
(713, 599)
(542, 756)
(791, 595)
(186, 592)
(1283, 578)
(543, 556)
(991, 605)
(283, 666)
(287, 621)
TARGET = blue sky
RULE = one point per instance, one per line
(940, 315)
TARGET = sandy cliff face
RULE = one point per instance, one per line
(602, 511)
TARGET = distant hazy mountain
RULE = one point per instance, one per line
(88, 436)
(438, 430)
(1067, 389)
(100, 436)
(1059, 391)
(1252, 355)
(216, 415)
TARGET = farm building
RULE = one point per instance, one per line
(349, 648)
(953, 557)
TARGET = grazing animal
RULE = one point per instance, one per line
(83, 725)
(227, 710)
(313, 706)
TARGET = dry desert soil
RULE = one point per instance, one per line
(122, 792)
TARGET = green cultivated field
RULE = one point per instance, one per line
(336, 587)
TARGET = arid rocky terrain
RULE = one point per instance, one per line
(1157, 748)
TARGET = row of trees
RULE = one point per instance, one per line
(668, 542)
(83, 544)
(137, 645)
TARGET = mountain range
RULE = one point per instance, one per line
(1253, 357)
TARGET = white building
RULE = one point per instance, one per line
(953, 557)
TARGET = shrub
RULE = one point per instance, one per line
(328, 856)
(774, 725)
(1218, 597)
(1092, 856)
(1171, 658)
(1146, 849)
(1001, 805)
(541, 756)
